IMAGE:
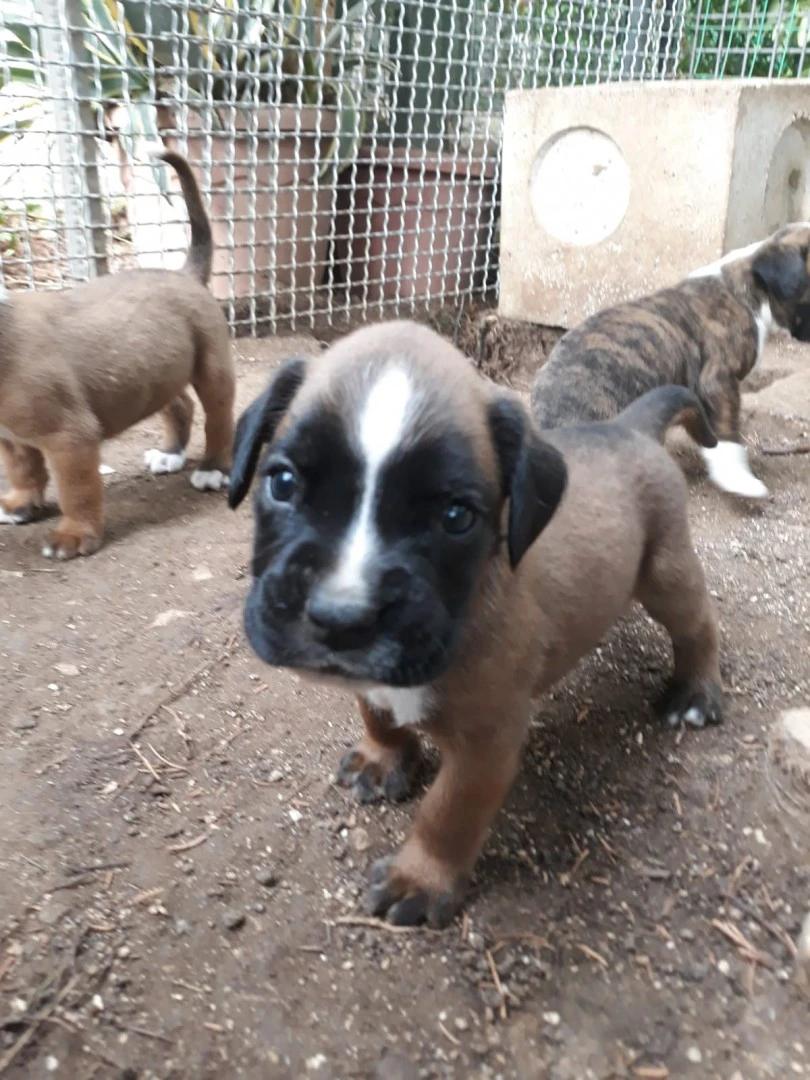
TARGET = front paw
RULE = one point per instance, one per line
(413, 888)
(70, 539)
(375, 772)
(694, 704)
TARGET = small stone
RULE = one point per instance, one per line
(51, 1063)
(724, 967)
(69, 670)
(552, 1019)
(267, 878)
(295, 816)
(25, 723)
(97, 1003)
(182, 927)
(124, 952)
(233, 920)
(694, 1055)
(359, 839)
(316, 1062)
(461, 1023)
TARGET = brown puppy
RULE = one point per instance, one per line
(706, 333)
(81, 366)
(418, 541)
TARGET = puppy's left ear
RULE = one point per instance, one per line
(257, 426)
(781, 270)
(533, 474)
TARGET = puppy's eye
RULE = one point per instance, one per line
(281, 485)
(458, 519)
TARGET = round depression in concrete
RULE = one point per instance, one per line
(787, 190)
(580, 186)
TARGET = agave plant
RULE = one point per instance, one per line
(233, 53)
(244, 51)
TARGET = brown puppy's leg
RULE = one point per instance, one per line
(215, 384)
(727, 463)
(383, 764)
(81, 499)
(28, 476)
(177, 417)
(673, 590)
(427, 880)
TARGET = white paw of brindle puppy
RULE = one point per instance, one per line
(422, 543)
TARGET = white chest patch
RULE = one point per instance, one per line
(409, 706)
(382, 422)
(764, 321)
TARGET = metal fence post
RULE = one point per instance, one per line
(66, 66)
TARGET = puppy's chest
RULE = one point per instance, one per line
(408, 707)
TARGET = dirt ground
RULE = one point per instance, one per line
(179, 875)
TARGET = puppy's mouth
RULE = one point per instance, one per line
(383, 660)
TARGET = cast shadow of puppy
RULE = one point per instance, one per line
(132, 504)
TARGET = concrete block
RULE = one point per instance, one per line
(612, 191)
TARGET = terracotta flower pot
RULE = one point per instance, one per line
(418, 223)
(268, 214)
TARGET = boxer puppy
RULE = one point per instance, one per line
(81, 366)
(706, 333)
(419, 541)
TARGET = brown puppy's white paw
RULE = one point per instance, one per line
(407, 897)
(693, 705)
(209, 479)
(161, 462)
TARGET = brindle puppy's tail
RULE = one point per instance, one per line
(201, 251)
(656, 411)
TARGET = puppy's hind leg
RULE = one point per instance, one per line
(215, 384)
(673, 590)
(177, 417)
(28, 476)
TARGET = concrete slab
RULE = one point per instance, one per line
(610, 192)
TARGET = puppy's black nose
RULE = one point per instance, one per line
(342, 623)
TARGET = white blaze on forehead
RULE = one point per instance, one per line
(382, 422)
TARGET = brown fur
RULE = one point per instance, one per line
(620, 534)
(81, 366)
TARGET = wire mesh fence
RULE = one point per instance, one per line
(348, 150)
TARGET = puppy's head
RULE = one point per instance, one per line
(379, 502)
(781, 267)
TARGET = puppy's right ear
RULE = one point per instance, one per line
(257, 426)
(533, 474)
(781, 270)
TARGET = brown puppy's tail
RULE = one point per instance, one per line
(655, 412)
(201, 251)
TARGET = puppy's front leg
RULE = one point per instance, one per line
(727, 463)
(25, 469)
(428, 879)
(81, 499)
(383, 764)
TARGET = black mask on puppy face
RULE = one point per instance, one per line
(374, 522)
